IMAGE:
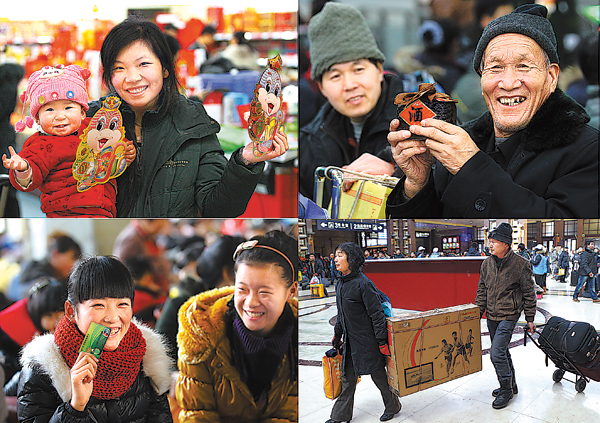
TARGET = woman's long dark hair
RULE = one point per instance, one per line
(354, 254)
(135, 29)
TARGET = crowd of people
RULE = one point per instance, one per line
(236, 280)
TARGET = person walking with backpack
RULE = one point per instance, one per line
(360, 333)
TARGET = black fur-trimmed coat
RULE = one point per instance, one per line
(553, 172)
(45, 387)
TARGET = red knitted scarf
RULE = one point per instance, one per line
(116, 369)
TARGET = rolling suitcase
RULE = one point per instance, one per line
(578, 340)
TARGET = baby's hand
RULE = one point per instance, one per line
(15, 162)
(130, 152)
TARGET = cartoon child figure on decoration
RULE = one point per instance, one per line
(58, 102)
(101, 153)
(266, 116)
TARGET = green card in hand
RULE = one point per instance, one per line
(95, 339)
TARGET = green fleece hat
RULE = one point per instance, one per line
(338, 34)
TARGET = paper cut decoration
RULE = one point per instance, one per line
(266, 116)
(101, 152)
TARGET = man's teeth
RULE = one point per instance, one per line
(512, 101)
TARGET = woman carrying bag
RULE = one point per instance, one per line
(361, 333)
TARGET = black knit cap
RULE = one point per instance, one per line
(529, 20)
(502, 233)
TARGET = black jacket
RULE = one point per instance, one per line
(563, 260)
(45, 388)
(588, 263)
(552, 171)
(183, 171)
(326, 140)
(360, 318)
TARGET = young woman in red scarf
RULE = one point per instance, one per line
(130, 380)
(238, 345)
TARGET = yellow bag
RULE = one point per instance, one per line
(332, 370)
(561, 272)
(316, 291)
(370, 203)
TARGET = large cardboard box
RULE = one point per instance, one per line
(432, 347)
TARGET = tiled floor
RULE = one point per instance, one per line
(467, 399)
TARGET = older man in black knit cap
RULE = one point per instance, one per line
(505, 290)
(532, 155)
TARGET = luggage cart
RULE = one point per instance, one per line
(562, 362)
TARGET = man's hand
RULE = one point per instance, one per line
(369, 164)
(531, 327)
(280, 144)
(413, 158)
(448, 143)
(336, 342)
(15, 162)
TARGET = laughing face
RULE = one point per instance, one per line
(115, 313)
(137, 76)
(60, 117)
(260, 296)
(353, 88)
(515, 81)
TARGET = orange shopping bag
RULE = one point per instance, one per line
(332, 370)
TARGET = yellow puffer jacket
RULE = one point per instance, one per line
(209, 387)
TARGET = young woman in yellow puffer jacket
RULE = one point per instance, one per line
(238, 346)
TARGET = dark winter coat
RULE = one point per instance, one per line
(563, 260)
(552, 171)
(184, 172)
(504, 292)
(361, 320)
(326, 140)
(10, 76)
(45, 388)
(588, 263)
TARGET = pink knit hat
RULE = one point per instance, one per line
(54, 83)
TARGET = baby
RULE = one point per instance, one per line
(59, 101)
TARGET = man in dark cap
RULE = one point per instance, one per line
(532, 155)
(351, 128)
(505, 290)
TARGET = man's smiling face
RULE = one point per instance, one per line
(515, 81)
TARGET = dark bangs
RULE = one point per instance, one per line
(354, 255)
(100, 277)
(136, 29)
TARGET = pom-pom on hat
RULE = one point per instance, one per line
(529, 20)
(54, 83)
(338, 34)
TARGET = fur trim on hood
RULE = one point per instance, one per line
(43, 351)
(557, 123)
(201, 323)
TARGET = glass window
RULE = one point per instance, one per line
(547, 228)
(591, 227)
(570, 227)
